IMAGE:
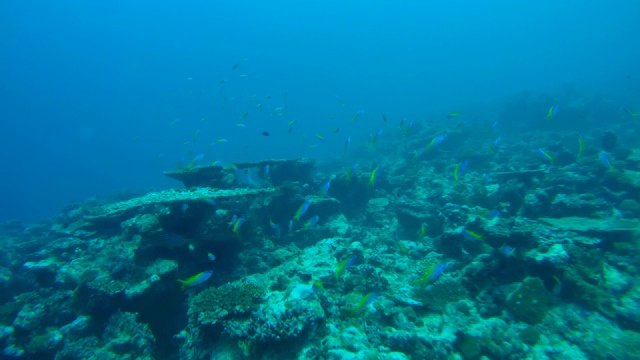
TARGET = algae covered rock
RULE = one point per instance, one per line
(576, 205)
(581, 224)
(629, 307)
(530, 302)
(126, 338)
(130, 208)
(259, 174)
(619, 345)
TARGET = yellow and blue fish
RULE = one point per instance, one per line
(634, 114)
(459, 170)
(375, 137)
(582, 146)
(372, 178)
(432, 274)
(552, 112)
(350, 172)
(545, 155)
(494, 145)
(302, 210)
(317, 285)
(312, 222)
(196, 279)
(366, 300)
(422, 232)
(357, 115)
(470, 235)
(435, 141)
(237, 225)
(345, 264)
(490, 128)
(324, 192)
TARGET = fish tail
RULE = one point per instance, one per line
(183, 284)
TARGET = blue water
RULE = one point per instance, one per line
(88, 90)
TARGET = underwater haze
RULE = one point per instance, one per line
(89, 89)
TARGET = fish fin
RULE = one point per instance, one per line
(184, 284)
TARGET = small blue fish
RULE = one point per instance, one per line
(210, 202)
(493, 214)
(490, 128)
(366, 301)
(317, 286)
(418, 153)
(290, 225)
(470, 235)
(357, 114)
(325, 188)
(459, 170)
(553, 111)
(267, 172)
(433, 273)
(275, 227)
(184, 207)
(508, 251)
(371, 298)
(463, 166)
(439, 270)
(198, 157)
(347, 143)
(211, 257)
(460, 123)
(302, 210)
(375, 137)
(312, 221)
(408, 129)
(196, 279)
(633, 114)
(436, 141)
(545, 155)
(487, 178)
(345, 264)
(605, 160)
(495, 144)
(619, 214)
(233, 220)
(237, 225)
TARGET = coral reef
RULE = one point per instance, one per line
(515, 256)
(530, 302)
(217, 176)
